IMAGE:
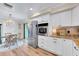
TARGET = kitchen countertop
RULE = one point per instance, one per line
(64, 37)
(75, 39)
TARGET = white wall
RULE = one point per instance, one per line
(20, 31)
(11, 28)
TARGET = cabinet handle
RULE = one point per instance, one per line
(75, 48)
(41, 46)
(54, 41)
(42, 39)
(41, 42)
(64, 40)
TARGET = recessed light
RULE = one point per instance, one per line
(30, 9)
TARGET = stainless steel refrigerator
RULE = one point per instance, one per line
(33, 34)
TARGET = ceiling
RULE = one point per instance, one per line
(21, 11)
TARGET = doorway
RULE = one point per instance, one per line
(25, 31)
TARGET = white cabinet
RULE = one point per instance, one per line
(66, 18)
(43, 19)
(67, 47)
(59, 48)
(55, 20)
(53, 45)
(47, 43)
(43, 42)
(75, 16)
(63, 19)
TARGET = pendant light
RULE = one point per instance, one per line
(9, 20)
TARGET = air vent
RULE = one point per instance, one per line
(8, 5)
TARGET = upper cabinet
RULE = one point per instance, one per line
(75, 16)
(54, 21)
(42, 19)
(62, 19)
(66, 18)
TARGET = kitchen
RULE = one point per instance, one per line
(51, 28)
(61, 36)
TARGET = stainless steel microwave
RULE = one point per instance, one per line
(42, 29)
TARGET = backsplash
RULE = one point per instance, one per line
(67, 31)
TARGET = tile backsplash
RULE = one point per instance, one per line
(66, 31)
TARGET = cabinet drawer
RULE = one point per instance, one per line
(43, 46)
(41, 42)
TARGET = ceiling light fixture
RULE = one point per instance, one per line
(9, 20)
(30, 9)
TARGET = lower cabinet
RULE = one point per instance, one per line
(59, 46)
(75, 50)
(67, 47)
(52, 45)
(47, 43)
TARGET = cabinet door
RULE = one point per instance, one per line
(66, 18)
(55, 21)
(59, 48)
(53, 45)
(43, 19)
(42, 42)
(67, 47)
(75, 16)
(63, 19)
(39, 41)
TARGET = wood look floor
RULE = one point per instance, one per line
(26, 51)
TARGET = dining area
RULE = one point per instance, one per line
(11, 41)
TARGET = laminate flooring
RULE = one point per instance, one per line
(26, 50)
